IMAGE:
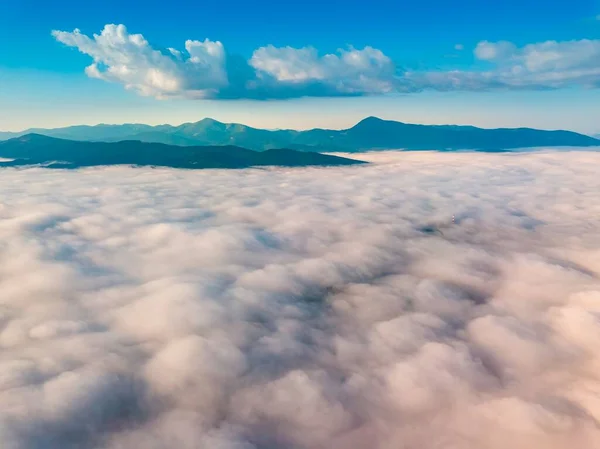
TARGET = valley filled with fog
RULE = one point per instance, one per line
(426, 300)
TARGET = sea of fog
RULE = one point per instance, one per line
(303, 308)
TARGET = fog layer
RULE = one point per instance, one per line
(303, 308)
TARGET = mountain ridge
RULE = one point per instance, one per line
(371, 133)
(52, 152)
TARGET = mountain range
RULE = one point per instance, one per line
(35, 149)
(371, 133)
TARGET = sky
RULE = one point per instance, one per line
(300, 65)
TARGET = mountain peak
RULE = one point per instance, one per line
(370, 119)
(210, 121)
(203, 125)
(373, 117)
(33, 138)
(374, 123)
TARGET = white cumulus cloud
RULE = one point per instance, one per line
(544, 65)
(494, 51)
(303, 308)
(549, 63)
(352, 71)
(204, 69)
(130, 60)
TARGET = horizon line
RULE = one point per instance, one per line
(32, 130)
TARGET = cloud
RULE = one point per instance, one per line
(551, 63)
(459, 47)
(366, 71)
(304, 307)
(204, 70)
(545, 65)
(130, 60)
(495, 52)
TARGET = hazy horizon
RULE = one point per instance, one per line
(342, 127)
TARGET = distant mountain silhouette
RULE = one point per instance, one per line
(61, 153)
(371, 133)
(380, 134)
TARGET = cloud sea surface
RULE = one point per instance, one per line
(303, 308)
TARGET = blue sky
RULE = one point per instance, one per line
(426, 62)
